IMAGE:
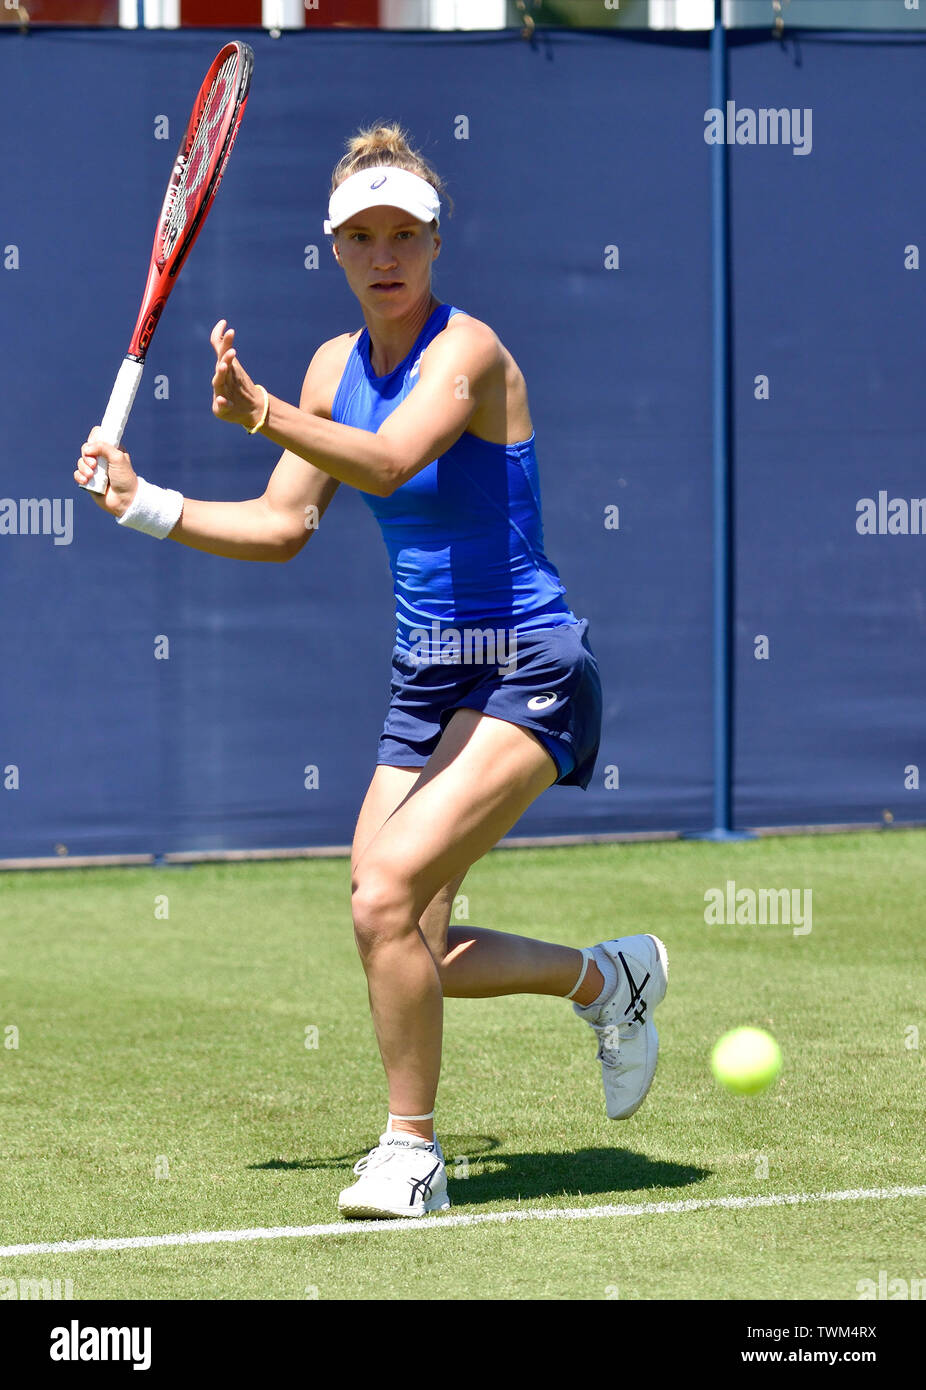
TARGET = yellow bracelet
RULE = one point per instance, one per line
(264, 413)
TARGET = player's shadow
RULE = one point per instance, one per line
(473, 1180)
(477, 1173)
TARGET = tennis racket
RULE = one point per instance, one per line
(194, 182)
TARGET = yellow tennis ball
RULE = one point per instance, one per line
(746, 1060)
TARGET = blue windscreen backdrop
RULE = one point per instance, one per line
(829, 312)
(157, 700)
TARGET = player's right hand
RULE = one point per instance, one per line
(123, 480)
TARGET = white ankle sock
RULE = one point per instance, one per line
(586, 957)
(609, 972)
(392, 1117)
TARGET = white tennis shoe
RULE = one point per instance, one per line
(628, 1044)
(402, 1176)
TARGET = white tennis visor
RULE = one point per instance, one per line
(382, 186)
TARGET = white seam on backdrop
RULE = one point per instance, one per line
(433, 1223)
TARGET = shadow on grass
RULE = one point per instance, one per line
(474, 1180)
(477, 1173)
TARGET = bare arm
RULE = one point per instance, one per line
(255, 529)
(455, 369)
(273, 527)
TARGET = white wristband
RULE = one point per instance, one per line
(154, 510)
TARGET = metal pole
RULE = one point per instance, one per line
(721, 418)
(721, 464)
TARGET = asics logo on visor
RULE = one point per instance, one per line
(378, 183)
(541, 701)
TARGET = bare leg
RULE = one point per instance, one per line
(467, 962)
(482, 964)
(482, 777)
(478, 964)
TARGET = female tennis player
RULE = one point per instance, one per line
(425, 412)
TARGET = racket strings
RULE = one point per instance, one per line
(200, 158)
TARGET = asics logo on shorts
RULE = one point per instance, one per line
(541, 701)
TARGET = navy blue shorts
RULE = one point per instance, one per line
(552, 688)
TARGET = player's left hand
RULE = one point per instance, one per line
(234, 396)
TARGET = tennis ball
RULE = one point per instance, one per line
(746, 1060)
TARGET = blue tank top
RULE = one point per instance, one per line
(465, 534)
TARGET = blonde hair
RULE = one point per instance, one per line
(386, 145)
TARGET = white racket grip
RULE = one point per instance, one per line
(116, 417)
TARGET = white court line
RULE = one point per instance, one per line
(434, 1223)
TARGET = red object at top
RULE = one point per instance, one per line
(343, 14)
(62, 12)
(327, 14)
(203, 14)
(227, 15)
